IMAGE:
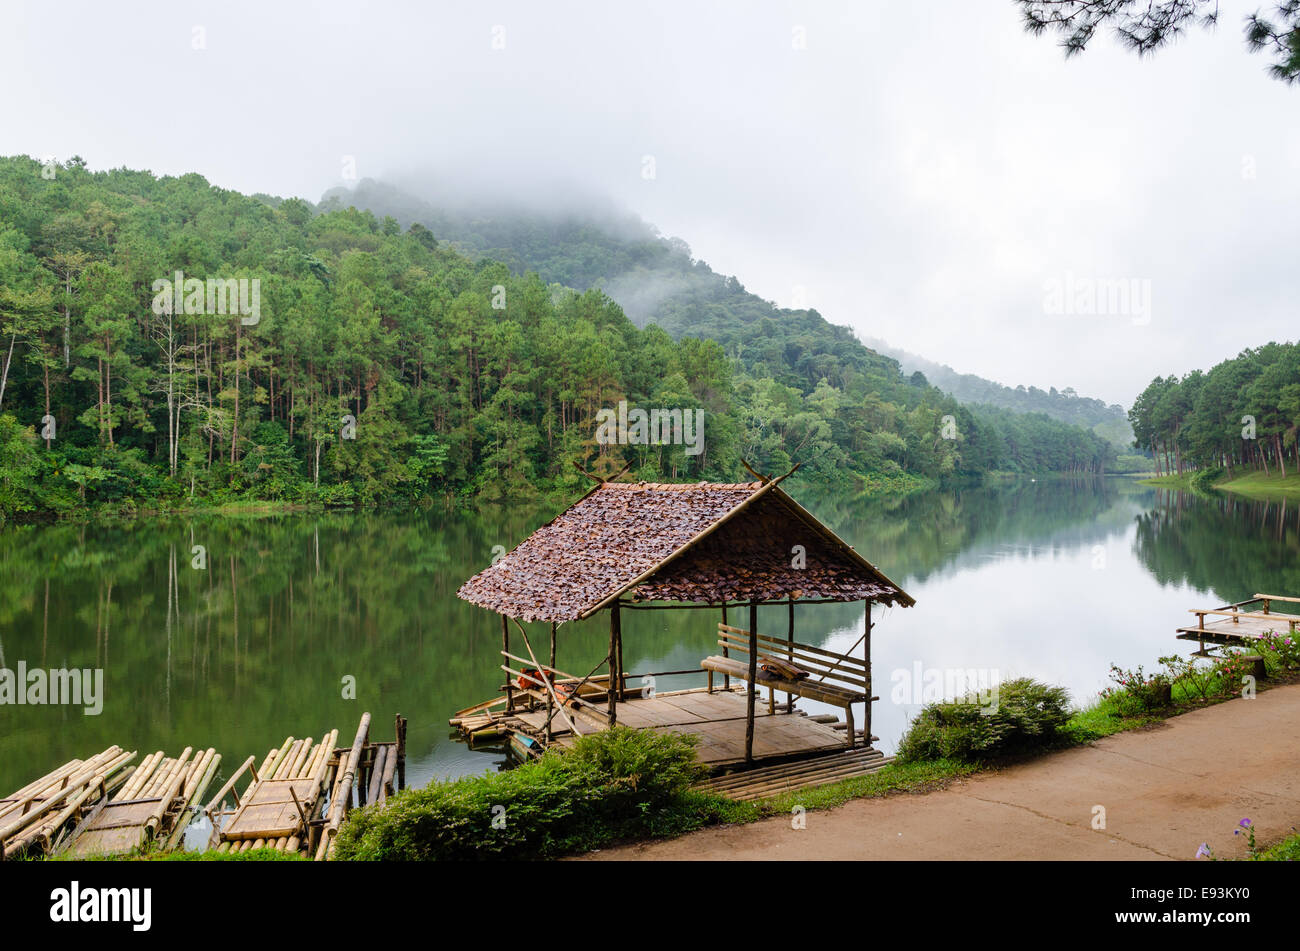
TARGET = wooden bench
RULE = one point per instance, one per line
(834, 679)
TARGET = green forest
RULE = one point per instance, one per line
(385, 365)
(1242, 413)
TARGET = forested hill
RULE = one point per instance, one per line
(378, 364)
(1107, 420)
(655, 279)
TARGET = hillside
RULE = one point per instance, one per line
(1107, 421)
(380, 365)
(656, 279)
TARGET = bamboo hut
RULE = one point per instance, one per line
(649, 546)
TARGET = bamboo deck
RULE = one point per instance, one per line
(1239, 624)
(151, 806)
(717, 718)
(777, 778)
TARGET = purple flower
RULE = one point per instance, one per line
(1244, 823)
(1203, 851)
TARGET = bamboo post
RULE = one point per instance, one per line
(866, 660)
(753, 676)
(505, 646)
(377, 774)
(386, 784)
(400, 733)
(726, 678)
(789, 655)
(615, 636)
(550, 675)
(620, 686)
(343, 789)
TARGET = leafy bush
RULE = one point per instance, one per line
(1219, 680)
(1204, 479)
(612, 785)
(1135, 692)
(1284, 648)
(1025, 716)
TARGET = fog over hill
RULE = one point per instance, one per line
(576, 238)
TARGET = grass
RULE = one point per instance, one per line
(1104, 717)
(1251, 483)
(252, 855)
(892, 779)
(1288, 850)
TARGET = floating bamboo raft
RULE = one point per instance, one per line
(33, 817)
(153, 806)
(299, 796)
(275, 810)
(295, 802)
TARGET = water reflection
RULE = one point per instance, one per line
(1053, 579)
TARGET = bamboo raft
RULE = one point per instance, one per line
(298, 798)
(34, 816)
(153, 806)
(295, 801)
(275, 809)
(1239, 625)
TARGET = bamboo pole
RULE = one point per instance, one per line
(505, 646)
(753, 675)
(200, 778)
(726, 678)
(344, 786)
(39, 788)
(386, 786)
(273, 761)
(615, 639)
(550, 703)
(229, 785)
(789, 641)
(400, 730)
(377, 774)
(866, 663)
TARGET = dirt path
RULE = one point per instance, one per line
(1165, 790)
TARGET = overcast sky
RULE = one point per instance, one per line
(926, 173)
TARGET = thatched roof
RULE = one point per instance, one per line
(701, 542)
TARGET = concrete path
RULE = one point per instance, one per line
(1165, 790)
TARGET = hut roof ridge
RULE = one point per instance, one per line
(690, 541)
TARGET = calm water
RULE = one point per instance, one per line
(1050, 579)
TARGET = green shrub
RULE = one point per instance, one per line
(1284, 648)
(1204, 479)
(1136, 693)
(1024, 716)
(617, 784)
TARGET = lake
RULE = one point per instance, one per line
(256, 639)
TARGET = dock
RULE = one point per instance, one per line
(728, 548)
(1239, 624)
(717, 719)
